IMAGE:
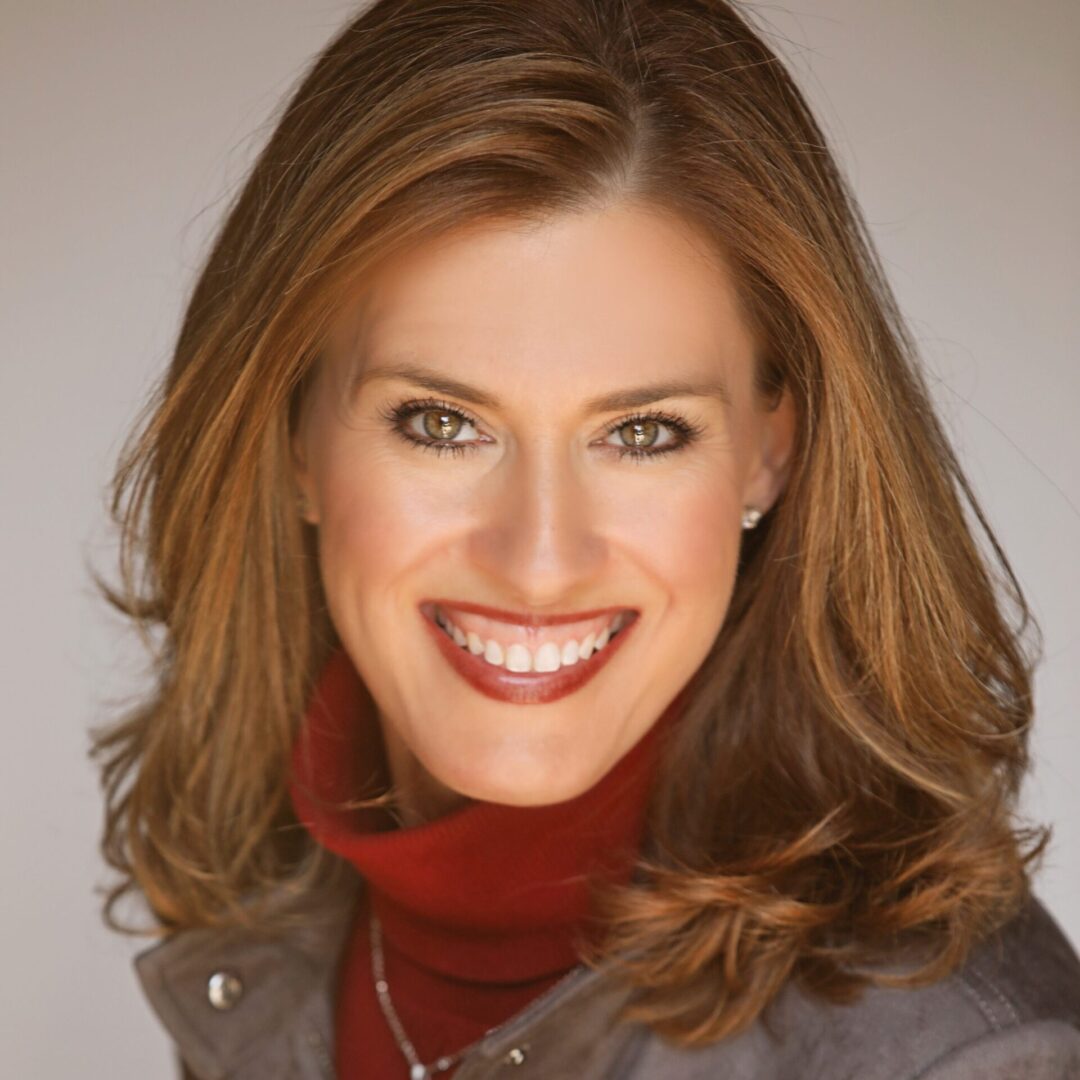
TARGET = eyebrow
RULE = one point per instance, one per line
(630, 398)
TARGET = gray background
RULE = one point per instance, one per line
(125, 123)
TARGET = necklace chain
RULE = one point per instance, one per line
(417, 1070)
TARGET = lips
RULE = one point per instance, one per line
(525, 688)
(512, 618)
(478, 632)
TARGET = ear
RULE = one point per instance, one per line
(774, 437)
(307, 502)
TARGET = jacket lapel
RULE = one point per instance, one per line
(247, 1005)
(241, 1003)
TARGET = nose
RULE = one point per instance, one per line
(538, 538)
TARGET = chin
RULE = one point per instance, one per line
(516, 779)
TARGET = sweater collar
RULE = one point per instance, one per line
(489, 891)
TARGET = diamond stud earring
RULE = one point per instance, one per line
(751, 516)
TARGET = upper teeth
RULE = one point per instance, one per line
(517, 657)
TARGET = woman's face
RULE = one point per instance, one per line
(555, 420)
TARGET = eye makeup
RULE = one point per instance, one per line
(400, 415)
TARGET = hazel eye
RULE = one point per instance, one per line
(641, 437)
(441, 424)
(643, 434)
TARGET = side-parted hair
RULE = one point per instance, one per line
(846, 772)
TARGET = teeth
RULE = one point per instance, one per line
(519, 658)
(548, 657)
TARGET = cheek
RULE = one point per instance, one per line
(373, 524)
(690, 546)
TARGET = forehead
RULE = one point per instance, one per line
(625, 289)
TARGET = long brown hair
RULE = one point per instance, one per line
(847, 770)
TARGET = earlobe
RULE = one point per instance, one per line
(777, 444)
(305, 503)
(303, 507)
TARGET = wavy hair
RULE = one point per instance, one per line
(846, 773)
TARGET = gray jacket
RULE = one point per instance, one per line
(243, 1006)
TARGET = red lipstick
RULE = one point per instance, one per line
(524, 688)
(521, 620)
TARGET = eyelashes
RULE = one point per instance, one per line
(399, 417)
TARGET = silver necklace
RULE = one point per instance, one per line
(417, 1070)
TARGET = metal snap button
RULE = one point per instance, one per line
(516, 1056)
(224, 989)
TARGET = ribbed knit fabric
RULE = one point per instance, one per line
(478, 906)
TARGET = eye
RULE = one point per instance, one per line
(436, 427)
(430, 424)
(642, 435)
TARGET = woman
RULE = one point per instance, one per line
(577, 661)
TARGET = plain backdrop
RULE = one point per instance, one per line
(127, 123)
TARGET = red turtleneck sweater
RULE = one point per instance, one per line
(478, 907)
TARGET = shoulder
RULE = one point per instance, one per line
(278, 1005)
(1012, 1010)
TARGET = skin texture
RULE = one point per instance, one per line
(540, 513)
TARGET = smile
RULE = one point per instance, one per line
(526, 664)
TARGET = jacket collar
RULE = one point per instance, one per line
(225, 995)
(240, 1002)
